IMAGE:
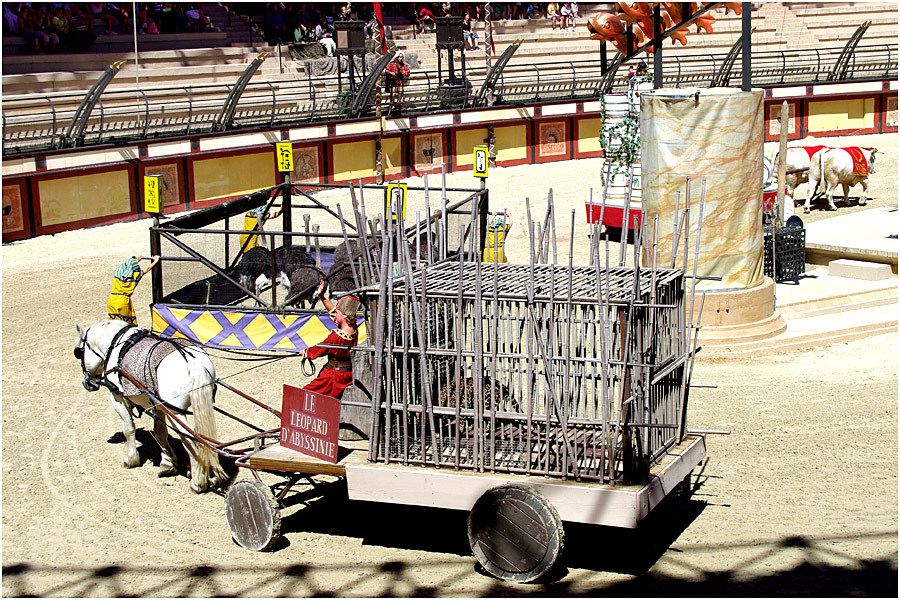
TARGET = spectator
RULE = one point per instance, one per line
(532, 11)
(565, 15)
(195, 20)
(395, 74)
(425, 18)
(324, 37)
(29, 27)
(573, 6)
(303, 34)
(470, 37)
(104, 13)
(149, 27)
(10, 20)
(169, 17)
(43, 23)
(80, 34)
(59, 25)
(276, 22)
(553, 14)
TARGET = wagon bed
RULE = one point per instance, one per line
(576, 501)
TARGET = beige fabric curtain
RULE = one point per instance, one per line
(717, 134)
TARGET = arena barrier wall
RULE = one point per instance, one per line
(80, 188)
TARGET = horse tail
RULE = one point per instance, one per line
(203, 386)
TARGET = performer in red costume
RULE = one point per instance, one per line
(337, 374)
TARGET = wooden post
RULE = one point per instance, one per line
(657, 52)
(156, 250)
(379, 163)
(782, 163)
(745, 46)
(286, 224)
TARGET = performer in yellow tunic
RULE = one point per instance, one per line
(496, 238)
(125, 280)
(255, 221)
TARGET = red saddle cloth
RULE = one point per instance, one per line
(860, 164)
(810, 150)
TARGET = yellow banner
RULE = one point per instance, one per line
(151, 193)
(395, 199)
(480, 160)
(285, 153)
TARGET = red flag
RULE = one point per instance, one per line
(380, 19)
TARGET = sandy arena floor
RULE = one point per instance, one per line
(800, 499)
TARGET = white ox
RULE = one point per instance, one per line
(799, 159)
(835, 167)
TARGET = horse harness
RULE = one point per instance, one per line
(139, 357)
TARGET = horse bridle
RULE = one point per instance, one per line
(92, 382)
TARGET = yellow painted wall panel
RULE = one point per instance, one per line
(511, 143)
(589, 135)
(354, 159)
(392, 152)
(84, 197)
(233, 175)
(836, 115)
(465, 141)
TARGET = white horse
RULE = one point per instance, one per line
(186, 380)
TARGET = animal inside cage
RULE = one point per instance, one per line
(548, 370)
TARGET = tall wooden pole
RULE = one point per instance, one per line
(657, 48)
(745, 46)
(782, 162)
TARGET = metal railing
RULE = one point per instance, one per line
(38, 122)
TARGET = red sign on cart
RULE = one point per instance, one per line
(310, 422)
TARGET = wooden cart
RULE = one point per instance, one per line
(515, 524)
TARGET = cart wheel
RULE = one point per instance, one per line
(253, 515)
(515, 533)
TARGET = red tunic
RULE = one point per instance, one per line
(331, 382)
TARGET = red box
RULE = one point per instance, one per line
(612, 214)
(310, 423)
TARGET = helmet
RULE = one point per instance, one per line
(348, 305)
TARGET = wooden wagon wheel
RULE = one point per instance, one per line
(515, 533)
(253, 515)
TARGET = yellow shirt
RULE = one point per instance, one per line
(126, 278)
(251, 224)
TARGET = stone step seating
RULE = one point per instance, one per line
(210, 65)
(835, 23)
(541, 43)
(14, 46)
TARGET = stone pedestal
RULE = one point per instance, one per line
(739, 315)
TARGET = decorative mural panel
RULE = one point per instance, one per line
(171, 190)
(306, 165)
(775, 119)
(890, 117)
(81, 197)
(13, 217)
(428, 151)
(552, 139)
